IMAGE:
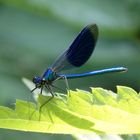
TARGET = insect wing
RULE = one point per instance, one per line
(79, 51)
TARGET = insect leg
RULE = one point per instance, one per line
(34, 89)
(40, 108)
(66, 81)
(58, 88)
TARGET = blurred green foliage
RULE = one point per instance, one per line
(34, 32)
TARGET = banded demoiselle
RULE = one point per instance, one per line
(75, 56)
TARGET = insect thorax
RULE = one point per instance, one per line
(50, 75)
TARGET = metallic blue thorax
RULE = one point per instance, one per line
(49, 75)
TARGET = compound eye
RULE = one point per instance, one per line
(36, 80)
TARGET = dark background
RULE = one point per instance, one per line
(34, 32)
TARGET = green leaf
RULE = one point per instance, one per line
(99, 111)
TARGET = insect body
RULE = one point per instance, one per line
(75, 56)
